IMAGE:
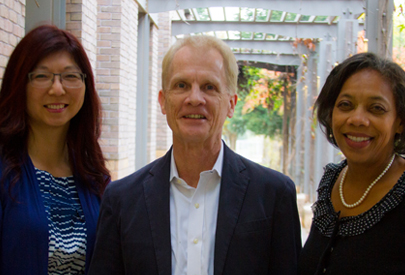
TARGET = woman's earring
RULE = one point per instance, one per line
(397, 141)
(330, 135)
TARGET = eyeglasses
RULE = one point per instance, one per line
(68, 79)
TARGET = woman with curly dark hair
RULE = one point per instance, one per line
(52, 170)
(359, 217)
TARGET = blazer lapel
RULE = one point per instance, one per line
(233, 189)
(157, 198)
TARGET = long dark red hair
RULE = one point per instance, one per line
(85, 155)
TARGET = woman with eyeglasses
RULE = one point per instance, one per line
(52, 170)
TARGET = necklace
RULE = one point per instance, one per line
(368, 189)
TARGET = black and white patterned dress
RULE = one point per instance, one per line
(67, 230)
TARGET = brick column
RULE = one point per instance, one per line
(12, 24)
(117, 22)
(153, 92)
(81, 20)
(163, 133)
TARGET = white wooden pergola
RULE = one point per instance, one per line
(261, 33)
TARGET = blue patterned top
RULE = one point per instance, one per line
(67, 225)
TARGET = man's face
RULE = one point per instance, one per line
(197, 100)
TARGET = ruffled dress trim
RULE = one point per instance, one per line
(325, 217)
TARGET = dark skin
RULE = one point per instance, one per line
(365, 123)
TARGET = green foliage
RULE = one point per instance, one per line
(305, 18)
(321, 18)
(276, 16)
(238, 123)
(398, 51)
(290, 17)
(261, 14)
(399, 24)
(251, 75)
(247, 14)
(246, 35)
(203, 14)
(260, 104)
(270, 36)
(258, 35)
(263, 121)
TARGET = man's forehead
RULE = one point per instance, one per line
(197, 55)
(197, 50)
(200, 75)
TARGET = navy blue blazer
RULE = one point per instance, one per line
(258, 229)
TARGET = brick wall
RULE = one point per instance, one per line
(129, 42)
(81, 20)
(12, 22)
(117, 27)
(153, 92)
(163, 133)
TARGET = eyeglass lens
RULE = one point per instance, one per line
(68, 79)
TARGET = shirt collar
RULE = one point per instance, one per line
(217, 166)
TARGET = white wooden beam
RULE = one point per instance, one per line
(307, 7)
(313, 30)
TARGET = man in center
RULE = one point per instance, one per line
(200, 209)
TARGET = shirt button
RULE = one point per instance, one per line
(195, 241)
(324, 270)
(331, 250)
(197, 205)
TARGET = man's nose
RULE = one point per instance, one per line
(196, 96)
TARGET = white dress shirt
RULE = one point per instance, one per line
(193, 220)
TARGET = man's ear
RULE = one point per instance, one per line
(162, 100)
(232, 103)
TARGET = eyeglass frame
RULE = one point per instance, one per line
(82, 76)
